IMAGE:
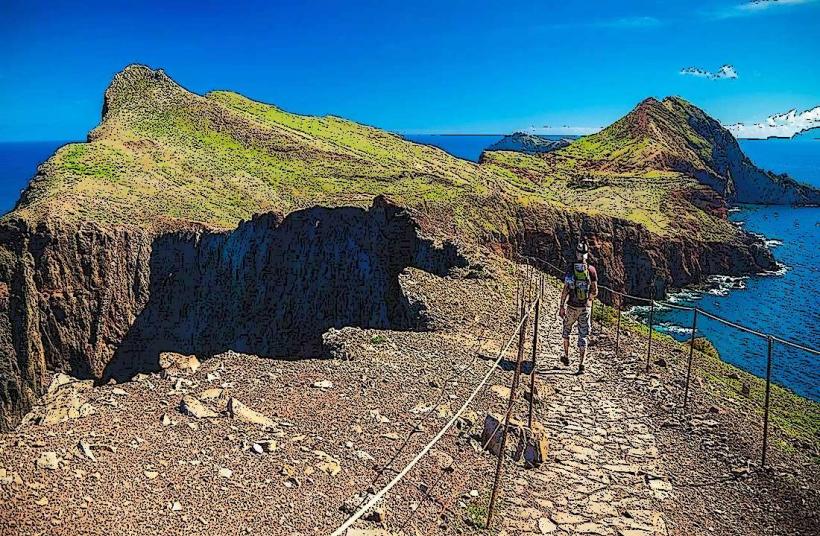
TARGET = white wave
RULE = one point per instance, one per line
(721, 285)
(773, 243)
(669, 327)
(685, 296)
(781, 270)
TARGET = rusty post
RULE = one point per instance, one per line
(651, 314)
(618, 327)
(516, 378)
(766, 402)
(691, 354)
(534, 355)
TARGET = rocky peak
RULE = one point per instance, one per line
(137, 85)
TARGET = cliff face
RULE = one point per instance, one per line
(71, 294)
(632, 260)
(103, 303)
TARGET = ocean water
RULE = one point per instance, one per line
(786, 304)
(462, 146)
(18, 164)
(465, 146)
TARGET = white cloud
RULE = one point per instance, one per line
(783, 125)
(725, 72)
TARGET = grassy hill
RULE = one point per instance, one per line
(163, 155)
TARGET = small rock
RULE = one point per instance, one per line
(322, 384)
(208, 394)
(42, 501)
(225, 473)
(546, 526)
(119, 392)
(330, 467)
(173, 363)
(150, 475)
(49, 460)
(442, 459)
(86, 450)
(240, 411)
(175, 506)
(264, 445)
(193, 407)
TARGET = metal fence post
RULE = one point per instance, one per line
(651, 314)
(691, 354)
(766, 402)
(618, 328)
(534, 352)
(502, 446)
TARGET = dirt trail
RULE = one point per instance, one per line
(621, 461)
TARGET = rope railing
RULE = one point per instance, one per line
(374, 500)
(527, 305)
(771, 339)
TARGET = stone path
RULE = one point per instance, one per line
(603, 476)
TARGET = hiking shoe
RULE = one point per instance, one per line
(565, 360)
(580, 369)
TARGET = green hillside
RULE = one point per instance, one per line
(165, 156)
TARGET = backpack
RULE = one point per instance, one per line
(579, 281)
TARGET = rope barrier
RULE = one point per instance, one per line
(795, 345)
(378, 496)
(732, 324)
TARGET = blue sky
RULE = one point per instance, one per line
(415, 67)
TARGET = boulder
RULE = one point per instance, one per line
(174, 364)
(240, 411)
(528, 445)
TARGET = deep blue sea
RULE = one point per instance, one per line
(18, 163)
(784, 304)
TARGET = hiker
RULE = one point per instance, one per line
(580, 288)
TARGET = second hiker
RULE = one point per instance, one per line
(580, 288)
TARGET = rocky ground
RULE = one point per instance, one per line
(246, 445)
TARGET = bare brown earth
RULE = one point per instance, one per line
(622, 460)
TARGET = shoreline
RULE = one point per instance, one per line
(724, 286)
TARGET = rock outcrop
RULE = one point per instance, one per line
(105, 303)
(528, 143)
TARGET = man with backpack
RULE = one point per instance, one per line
(580, 288)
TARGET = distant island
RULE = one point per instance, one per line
(528, 143)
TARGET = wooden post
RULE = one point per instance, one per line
(766, 403)
(534, 355)
(651, 314)
(618, 327)
(516, 379)
(691, 354)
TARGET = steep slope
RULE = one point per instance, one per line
(527, 143)
(673, 135)
(144, 238)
